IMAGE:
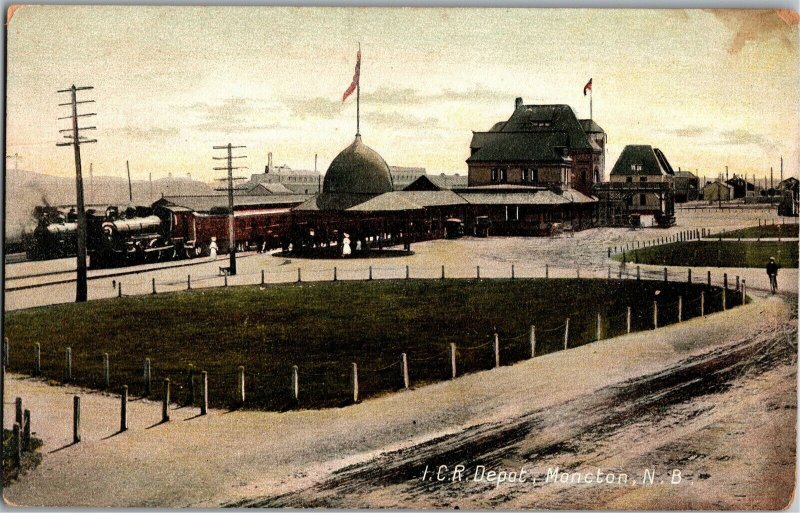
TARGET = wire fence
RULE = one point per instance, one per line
(323, 379)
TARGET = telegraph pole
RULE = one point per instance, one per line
(75, 142)
(230, 167)
(130, 187)
(16, 158)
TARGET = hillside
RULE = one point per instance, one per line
(26, 189)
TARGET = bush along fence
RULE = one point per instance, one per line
(317, 381)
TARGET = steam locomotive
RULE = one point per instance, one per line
(54, 234)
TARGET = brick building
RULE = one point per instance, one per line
(539, 145)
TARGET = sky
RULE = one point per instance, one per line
(710, 88)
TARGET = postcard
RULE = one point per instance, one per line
(372, 257)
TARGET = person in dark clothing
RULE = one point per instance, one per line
(772, 272)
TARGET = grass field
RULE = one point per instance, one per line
(324, 327)
(766, 231)
(715, 254)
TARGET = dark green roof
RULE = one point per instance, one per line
(590, 126)
(652, 161)
(533, 133)
(544, 147)
(358, 169)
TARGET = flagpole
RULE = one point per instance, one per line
(591, 96)
(358, 95)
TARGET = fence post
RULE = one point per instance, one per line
(240, 386)
(407, 273)
(512, 272)
(225, 279)
(453, 360)
(76, 419)
(744, 291)
(533, 341)
(628, 323)
(638, 273)
(666, 279)
(188, 282)
(119, 289)
(335, 277)
(17, 446)
(725, 280)
(262, 276)
(106, 371)
(355, 382)
(295, 384)
(18, 410)
(191, 387)
(496, 350)
(737, 283)
(724, 305)
(689, 276)
(609, 272)
(370, 272)
(566, 334)
(165, 401)
(203, 392)
(26, 431)
(680, 308)
(146, 377)
(405, 370)
(37, 359)
(68, 369)
(598, 326)
(154, 285)
(478, 272)
(442, 272)
(655, 315)
(709, 279)
(702, 304)
(123, 409)
(546, 270)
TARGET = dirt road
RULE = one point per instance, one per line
(730, 444)
(711, 397)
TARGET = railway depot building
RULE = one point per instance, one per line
(642, 182)
(539, 145)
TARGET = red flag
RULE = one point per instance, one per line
(356, 76)
(587, 87)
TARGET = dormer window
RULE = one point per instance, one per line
(636, 167)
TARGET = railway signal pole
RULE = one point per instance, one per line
(75, 141)
(230, 167)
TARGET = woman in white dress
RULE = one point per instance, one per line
(212, 248)
(346, 245)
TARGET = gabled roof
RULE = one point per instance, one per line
(685, 174)
(532, 133)
(262, 189)
(436, 183)
(590, 126)
(207, 203)
(652, 161)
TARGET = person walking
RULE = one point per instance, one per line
(772, 272)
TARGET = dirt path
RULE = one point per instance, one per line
(732, 444)
(585, 396)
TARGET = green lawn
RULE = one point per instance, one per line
(767, 231)
(715, 254)
(324, 327)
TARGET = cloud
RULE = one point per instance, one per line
(145, 133)
(232, 115)
(689, 131)
(744, 137)
(410, 96)
(318, 107)
(750, 25)
(397, 120)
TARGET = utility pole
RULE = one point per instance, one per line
(130, 187)
(75, 142)
(91, 183)
(781, 171)
(16, 158)
(230, 167)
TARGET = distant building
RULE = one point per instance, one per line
(402, 176)
(437, 182)
(687, 186)
(717, 191)
(640, 164)
(539, 145)
(741, 187)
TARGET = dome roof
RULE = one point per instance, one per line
(358, 169)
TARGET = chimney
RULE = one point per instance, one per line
(518, 102)
(269, 162)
